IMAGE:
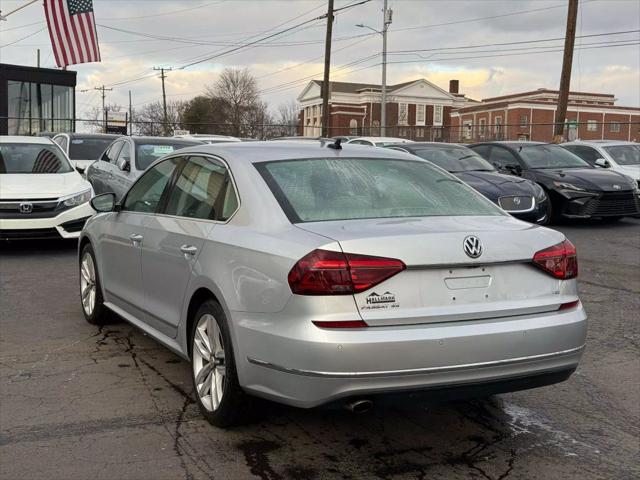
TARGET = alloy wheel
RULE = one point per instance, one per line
(88, 283)
(209, 368)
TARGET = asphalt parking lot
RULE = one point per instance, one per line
(78, 402)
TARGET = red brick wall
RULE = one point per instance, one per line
(542, 133)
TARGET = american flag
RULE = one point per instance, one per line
(72, 29)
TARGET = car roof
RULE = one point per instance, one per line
(600, 143)
(264, 151)
(25, 139)
(382, 139)
(91, 135)
(426, 144)
(164, 140)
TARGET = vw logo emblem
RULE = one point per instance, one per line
(516, 200)
(26, 207)
(616, 186)
(472, 246)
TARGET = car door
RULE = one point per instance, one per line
(123, 175)
(97, 173)
(124, 237)
(175, 237)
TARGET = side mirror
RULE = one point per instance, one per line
(514, 169)
(80, 170)
(123, 164)
(602, 163)
(105, 202)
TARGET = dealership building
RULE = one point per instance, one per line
(530, 116)
(34, 100)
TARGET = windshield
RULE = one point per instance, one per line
(32, 158)
(343, 189)
(88, 148)
(542, 155)
(455, 159)
(149, 152)
(625, 154)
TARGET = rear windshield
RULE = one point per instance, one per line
(88, 148)
(550, 156)
(454, 159)
(625, 154)
(149, 152)
(32, 158)
(343, 189)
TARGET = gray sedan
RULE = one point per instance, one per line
(125, 160)
(311, 275)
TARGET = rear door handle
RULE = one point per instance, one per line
(136, 239)
(188, 250)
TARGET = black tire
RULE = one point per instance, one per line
(99, 315)
(234, 407)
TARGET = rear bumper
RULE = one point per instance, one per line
(67, 224)
(307, 366)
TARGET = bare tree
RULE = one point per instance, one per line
(96, 117)
(239, 89)
(150, 119)
(287, 117)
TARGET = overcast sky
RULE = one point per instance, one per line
(283, 64)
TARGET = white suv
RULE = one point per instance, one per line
(619, 156)
(41, 194)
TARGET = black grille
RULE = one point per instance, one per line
(516, 203)
(41, 208)
(613, 204)
(29, 234)
(74, 225)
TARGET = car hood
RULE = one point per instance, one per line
(592, 179)
(494, 185)
(632, 171)
(46, 185)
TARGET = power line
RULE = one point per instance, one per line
(173, 12)
(23, 38)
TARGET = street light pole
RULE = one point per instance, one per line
(383, 105)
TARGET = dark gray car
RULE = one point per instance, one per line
(125, 160)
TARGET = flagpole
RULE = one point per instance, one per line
(4, 17)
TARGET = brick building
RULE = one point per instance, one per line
(418, 109)
(530, 116)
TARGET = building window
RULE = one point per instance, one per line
(419, 132)
(376, 128)
(402, 132)
(437, 115)
(482, 127)
(498, 127)
(32, 108)
(614, 127)
(467, 130)
(315, 110)
(437, 134)
(524, 120)
(403, 113)
(353, 127)
(420, 114)
(592, 125)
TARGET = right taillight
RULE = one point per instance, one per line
(324, 272)
(559, 260)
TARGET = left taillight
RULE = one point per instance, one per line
(560, 260)
(324, 272)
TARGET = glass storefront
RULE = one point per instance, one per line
(39, 107)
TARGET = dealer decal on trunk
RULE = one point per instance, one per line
(376, 301)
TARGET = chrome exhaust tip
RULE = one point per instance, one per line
(359, 406)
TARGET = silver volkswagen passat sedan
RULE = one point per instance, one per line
(311, 274)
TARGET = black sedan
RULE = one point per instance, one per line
(575, 188)
(521, 198)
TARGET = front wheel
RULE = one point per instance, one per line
(215, 381)
(90, 288)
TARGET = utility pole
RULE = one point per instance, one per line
(130, 115)
(103, 89)
(387, 19)
(327, 66)
(164, 98)
(565, 77)
(38, 56)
